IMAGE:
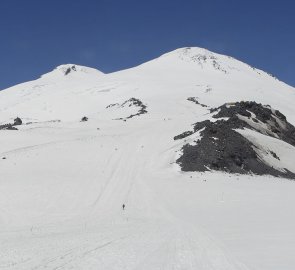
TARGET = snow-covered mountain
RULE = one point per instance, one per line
(198, 146)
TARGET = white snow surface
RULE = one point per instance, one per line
(63, 182)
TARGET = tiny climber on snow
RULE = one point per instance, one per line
(123, 206)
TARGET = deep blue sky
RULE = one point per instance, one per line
(36, 35)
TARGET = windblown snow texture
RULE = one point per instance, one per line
(222, 148)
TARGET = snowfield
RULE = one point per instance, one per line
(63, 181)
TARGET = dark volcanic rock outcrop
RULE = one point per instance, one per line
(8, 127)
(17, 122)
(70, 69)
(84, 119)
(260, 118)
(195, 100)
(138, 103)
(132, 102)
(222, 148)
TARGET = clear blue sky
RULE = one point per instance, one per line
(36, 35)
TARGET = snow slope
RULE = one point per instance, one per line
(63, 182)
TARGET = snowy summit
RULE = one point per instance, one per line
(70, 69)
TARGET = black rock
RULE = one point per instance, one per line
(274, 155)
(17, 121)
(7, 127)
(195, 100)
(222, 148)
(69, 69)
(132, 102)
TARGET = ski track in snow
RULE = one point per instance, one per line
(144, 236)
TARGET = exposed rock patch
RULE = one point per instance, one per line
(112, 105)
(261, 118)
(222, 148)
(70, 69)
(132, 102)
(7, 127)
(17, 121)
(11, 126)
(84, 119)
(195, 100)
(201, 58)
(274, 155)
